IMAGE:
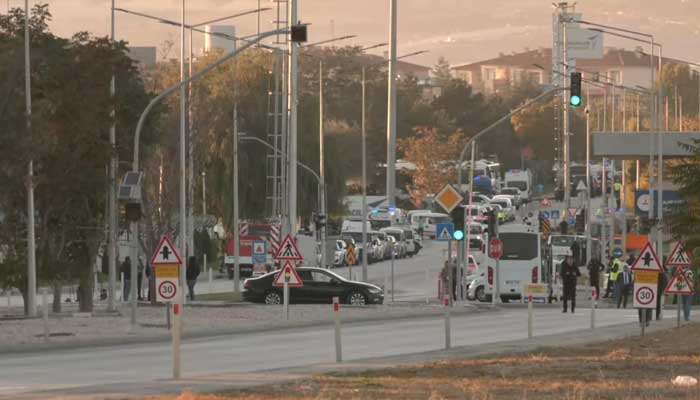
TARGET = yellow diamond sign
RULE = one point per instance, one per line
(448, 198)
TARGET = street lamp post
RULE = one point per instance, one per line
(321, 168)
(391, 109)
(31, 245)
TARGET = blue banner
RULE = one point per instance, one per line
(642, 199)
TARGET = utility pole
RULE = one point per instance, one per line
(112, 212)
(236, 202)
(567, 137)
(190, 156)
(31, 245)
(391, 110)
(293, 99)
(321, 169)
(364, 182)
(183, 166)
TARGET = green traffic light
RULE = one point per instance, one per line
(575, 100)
(458, 235)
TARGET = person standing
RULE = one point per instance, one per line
(139, 278)
(624, 285)
(576, 252)
(612, 278)
(660, 287)
(687, 299)
(191, 274)
(125, 269)
(595, 267)
(569, 274)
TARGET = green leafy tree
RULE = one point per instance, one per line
(684, 222)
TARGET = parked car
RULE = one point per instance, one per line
(339, 255)
(397, 239)
(320, 286)
(515, 192)
(506, 207)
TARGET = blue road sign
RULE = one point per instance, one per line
(259, 252)
(444, 232)
(617, 252)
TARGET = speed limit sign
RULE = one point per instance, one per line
(644, 296)
(166, 282)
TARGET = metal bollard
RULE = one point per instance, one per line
(529, 316)
(209, 278)
(176, 334)
(45, 311)
(448, 333)
(594, 305)
(9, 299)
(338, 344)
(122, 286)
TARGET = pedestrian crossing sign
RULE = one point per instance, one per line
(444, 232)
(647, 260)
(679, 284)
(679, 256)
(288, 250)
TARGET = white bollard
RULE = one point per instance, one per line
(209, 279)
(448, 333)
(9, 299)
(529, 316)
(338, 344)
(121, 277)
(176, 332)
(427, 286)
(286, 300)
(386, 284)
(45, 312)
(594, 305)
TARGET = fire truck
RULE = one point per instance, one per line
(249, 233)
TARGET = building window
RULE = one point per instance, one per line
(615, 77)
(535, 76)
(516, 75)
(466, 76)
(489, 74)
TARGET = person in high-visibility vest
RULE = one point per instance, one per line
(617, 187)
(615, 268)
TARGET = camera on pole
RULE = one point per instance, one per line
(130, 195)
(575, 97)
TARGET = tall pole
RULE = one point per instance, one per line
(321, 169)
(660, 180)
(623, 192)
(391, 110)
(112, 240)
(567, 143)
(636, 180)
(190, 156)
(183, 165)
(284, 164)
(276, 185)
(31, 246)
(587, 110)
(364, 182)
(236, 231)
(293, 89)
(653, 125)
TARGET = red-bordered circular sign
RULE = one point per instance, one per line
(167, 290)
(644, 295)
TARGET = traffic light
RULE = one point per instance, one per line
(458, 235)
(299, 34)
(575, 97)
(458, 218)
(492, 217)
(319, 220)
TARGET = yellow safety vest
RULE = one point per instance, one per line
(617, 186)
(613, 274)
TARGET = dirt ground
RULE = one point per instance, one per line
(623, 369)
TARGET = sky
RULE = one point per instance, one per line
(460, 30)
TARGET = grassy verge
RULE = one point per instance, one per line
(622, 369)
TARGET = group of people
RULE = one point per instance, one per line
(142, 268)
(620, 284)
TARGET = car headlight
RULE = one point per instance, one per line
(375, 291)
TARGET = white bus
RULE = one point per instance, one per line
(520, 264)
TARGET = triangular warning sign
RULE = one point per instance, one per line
(679, 284)
(445, 234)
(647, 260)
(259, 248)
(165, 253)
(581, 186)
(679, 256)
(288, 273)
(288, 250)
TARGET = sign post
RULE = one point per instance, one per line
(166, 263)
(450, 198)
(338, 344)
(680, 259)
(288, 276)
(495, 252)
(646, 268)
(594, 305)
(444, 233)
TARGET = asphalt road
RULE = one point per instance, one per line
(62, 369)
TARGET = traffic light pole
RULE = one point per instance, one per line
(565, 119)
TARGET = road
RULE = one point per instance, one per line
(139, 364)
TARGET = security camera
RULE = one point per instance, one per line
(587, 110)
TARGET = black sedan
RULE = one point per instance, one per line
(320, 286)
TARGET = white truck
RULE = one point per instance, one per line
(521, 179)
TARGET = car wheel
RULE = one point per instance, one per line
(273, 298)
(480, 294)
(357, 299)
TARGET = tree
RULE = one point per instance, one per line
(434, 156)
(684, 220)
(441, 72)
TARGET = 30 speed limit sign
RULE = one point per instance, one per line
(644, 296)
(166, 282)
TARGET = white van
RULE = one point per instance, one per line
(429, 221)
(521, 179)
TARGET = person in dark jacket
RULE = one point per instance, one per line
(595, 267)
(569, 275)
(624, 285)
(191, 274)
(576, 253)
(660, 287)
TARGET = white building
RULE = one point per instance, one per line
(218, 37)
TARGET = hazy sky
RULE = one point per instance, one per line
(460, 30)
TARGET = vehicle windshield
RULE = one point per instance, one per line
(379, 224)
(396, 236)
(440, 220)
(563, 241)
(476, 229)
(475, 244)
(519, 245)
(520, 185)
(502, 203)
(511, 191)
(356, 236)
